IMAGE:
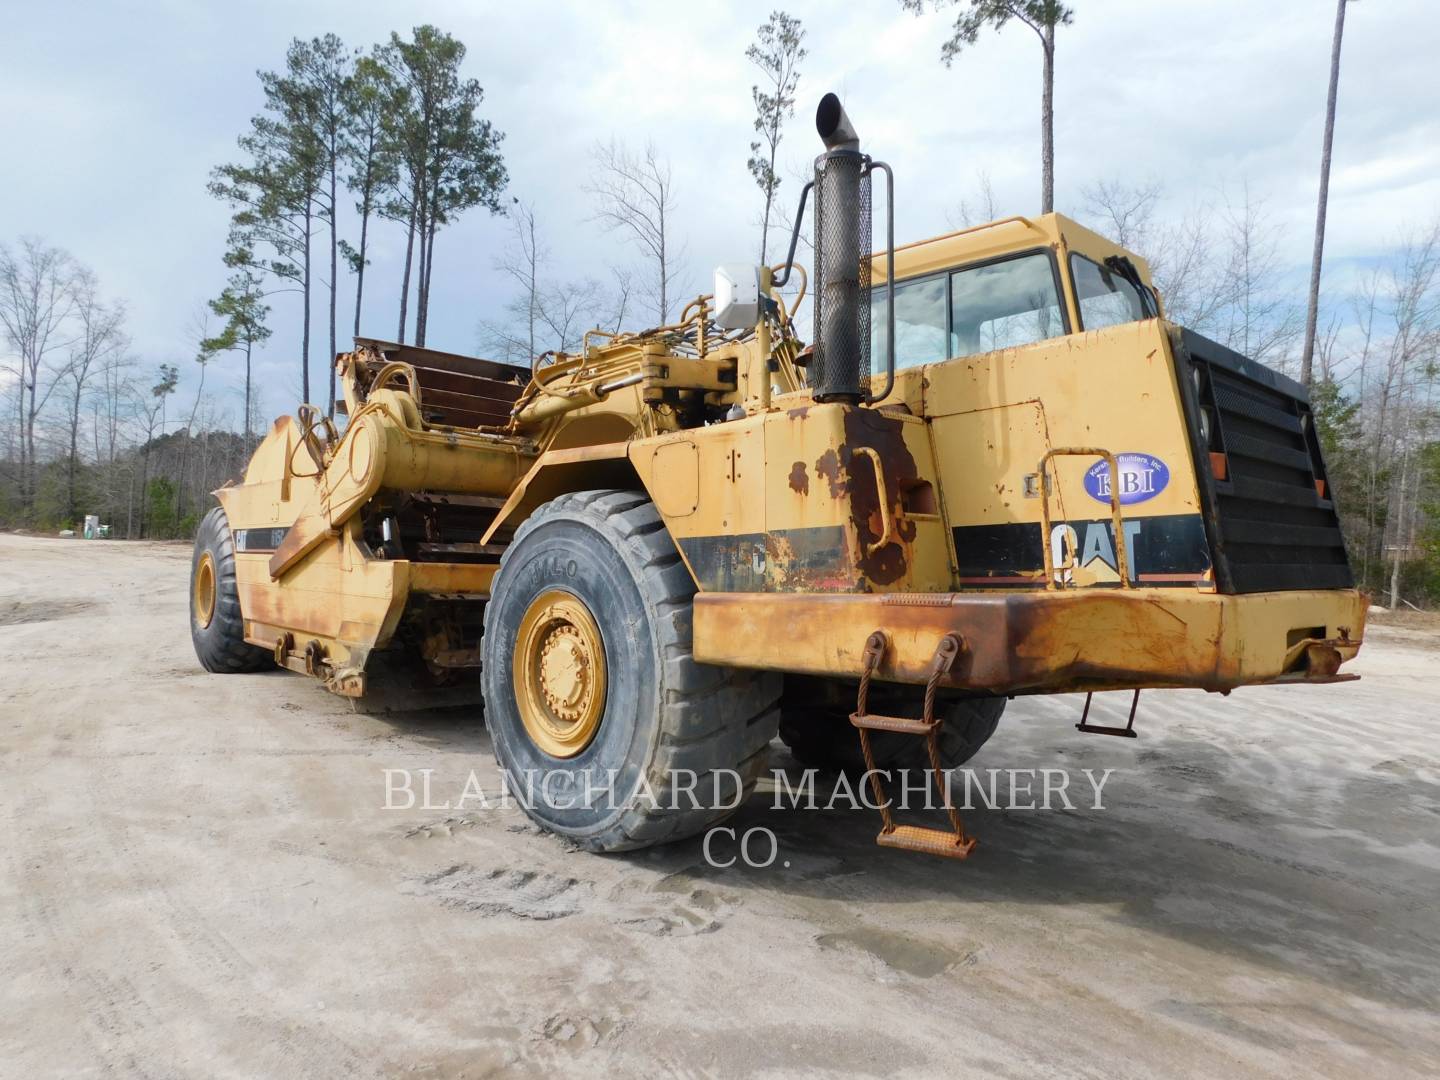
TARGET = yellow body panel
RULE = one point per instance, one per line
(1045, 642)
(806, 525)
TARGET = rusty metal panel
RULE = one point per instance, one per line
(1040, 642)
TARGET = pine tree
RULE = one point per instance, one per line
(1041, 16)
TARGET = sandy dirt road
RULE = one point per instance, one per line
(200, 878)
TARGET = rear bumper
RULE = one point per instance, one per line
(1044, 642)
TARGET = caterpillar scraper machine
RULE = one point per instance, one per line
(997, 470)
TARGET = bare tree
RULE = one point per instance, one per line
(109, 405)
(978, 207)
(1180, 253)
(635, 194)
(1415, 311)
(777, 52)
(37, 297)
(521, 261)
(1183, 264)
(205, 352)
(546, 315)
(557, 316)
(100, 338)
(1314, 298)
(152, 415)
(624, 283)
(1261, 321)
(1123, 211)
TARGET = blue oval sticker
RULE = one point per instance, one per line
(1142, 476)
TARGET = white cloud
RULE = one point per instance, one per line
(110, 123)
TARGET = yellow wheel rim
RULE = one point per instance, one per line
(203, 591)
(559, 673)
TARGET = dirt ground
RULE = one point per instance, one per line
(200, 878)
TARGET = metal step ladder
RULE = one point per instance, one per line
(953, 844)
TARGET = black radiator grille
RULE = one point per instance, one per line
(1274, 525)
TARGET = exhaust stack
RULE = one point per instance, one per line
(836, 130)
(840, 370)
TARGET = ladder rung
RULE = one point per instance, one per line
(926, 841)
(901, 725)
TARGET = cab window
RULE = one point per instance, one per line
(1003, 304)
(1105, 298)
(996, 305)
(921, 327)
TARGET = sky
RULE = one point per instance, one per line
(112, 116)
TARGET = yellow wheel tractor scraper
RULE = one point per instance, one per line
(996, 470)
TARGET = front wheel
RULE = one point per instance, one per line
(608, 730)
(217, 628)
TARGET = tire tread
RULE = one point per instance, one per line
(711, 718)
(225, 651)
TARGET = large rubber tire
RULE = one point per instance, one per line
(663, 712)
(823, 738)
(220, 644)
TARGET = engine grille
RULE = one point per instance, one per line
(1272, 519)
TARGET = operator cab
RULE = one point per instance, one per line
(1004, 284)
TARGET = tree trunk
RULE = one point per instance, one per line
(1399, 545)
(664, 285)
(130, 506)
(405, 277)
(533, 286)
(429, 270)
(70, 500)
(424, 233)
(1312, 313)
(334, 284)
(20, 433)
(32, 485)
(305, 296)
(360, 270)
(249, 345)
(422, 277)
(1047, 125)
(144, 485)
(769, 199)
(185, 450)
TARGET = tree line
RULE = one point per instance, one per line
(89, 428)
(396, 129)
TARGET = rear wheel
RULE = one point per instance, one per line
(815, 725)
(216, 626)
(608, 729)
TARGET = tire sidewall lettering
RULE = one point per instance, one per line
(591, 790)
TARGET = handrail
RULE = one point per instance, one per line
(887, 519)
(784, 277)
(1122, 555)
(870, 167)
